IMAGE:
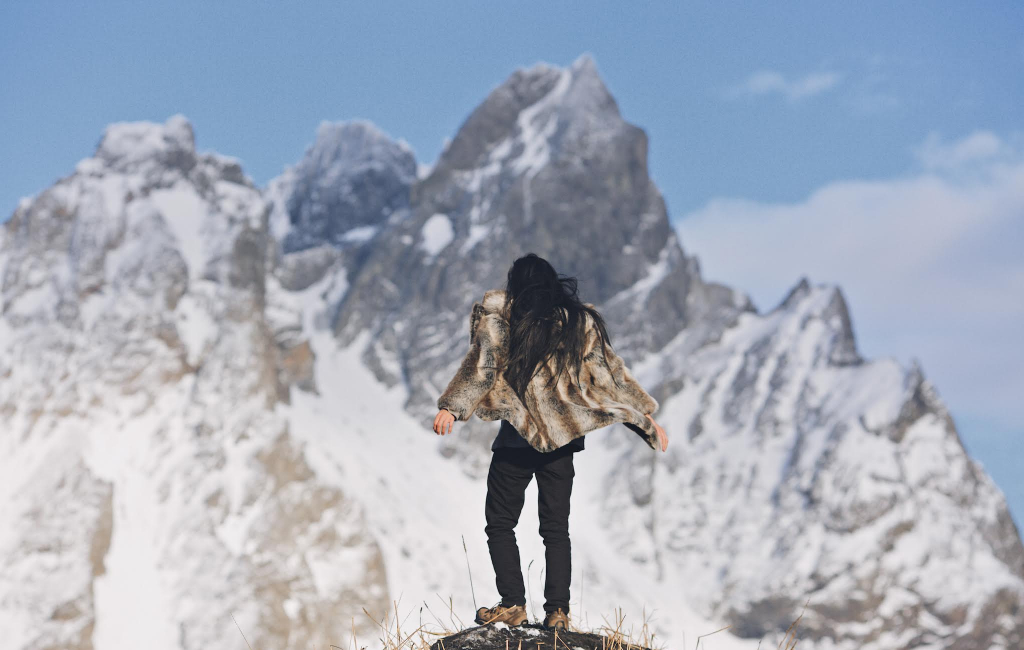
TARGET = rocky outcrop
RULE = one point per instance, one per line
(348, 183)
(499, 636)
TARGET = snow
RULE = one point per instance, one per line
(195, 326)
(529, 150)
(277, 192)
(361, 233)
(720, 537)
(792, 489)
(126, 145)
(35, 303)
(534, 136)
(477, 233)
(86, 167)
(186, 213)
(345, 149)
(400, 495)
(436, 234)
(133, 608)
(656, 273)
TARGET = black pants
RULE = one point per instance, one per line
(510, 472)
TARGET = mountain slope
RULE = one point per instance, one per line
(785, 422)
(149, 488)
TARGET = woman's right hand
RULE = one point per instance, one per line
(443, 422)
(662, 436)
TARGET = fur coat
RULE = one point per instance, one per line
(552, 416)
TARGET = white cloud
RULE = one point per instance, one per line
(930, 263)
(868, 85)
(978, 147)
(770, 81)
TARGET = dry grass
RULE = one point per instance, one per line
(420, 638)
(396, 634)
(445, 622)
(617, 638)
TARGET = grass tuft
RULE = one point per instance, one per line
(614, 635)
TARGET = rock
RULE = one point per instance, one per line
(529, 636)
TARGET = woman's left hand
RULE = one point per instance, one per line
(662, 436)
(443, 422)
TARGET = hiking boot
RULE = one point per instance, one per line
(557, 620)
(511, 616)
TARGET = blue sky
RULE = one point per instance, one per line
(874, 145)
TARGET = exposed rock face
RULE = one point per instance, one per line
(215, 403)
(348, 183)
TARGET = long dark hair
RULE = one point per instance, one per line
(546, 318)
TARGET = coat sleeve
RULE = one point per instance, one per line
(631, 391)
(478, 370)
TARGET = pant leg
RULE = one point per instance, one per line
(507, 479)
(554, 486)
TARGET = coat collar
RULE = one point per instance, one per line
(494, 301)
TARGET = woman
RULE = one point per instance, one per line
(540, 361)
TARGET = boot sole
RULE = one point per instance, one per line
(480, 621)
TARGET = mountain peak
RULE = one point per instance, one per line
(837, 315)
(798, 292)
(588, 90)
(352, 178)
(535, 114)
(826, 302)
(578, 87)
(584, 64)
(126, 146)
(353, 142)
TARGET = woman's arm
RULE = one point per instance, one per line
(478, 370)
(632, 392)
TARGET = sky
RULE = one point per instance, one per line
(878, 146)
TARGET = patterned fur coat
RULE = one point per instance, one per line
(552, 416)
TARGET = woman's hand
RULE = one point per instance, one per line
(443, 422)
(662, 436)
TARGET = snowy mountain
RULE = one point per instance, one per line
(217, 399)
